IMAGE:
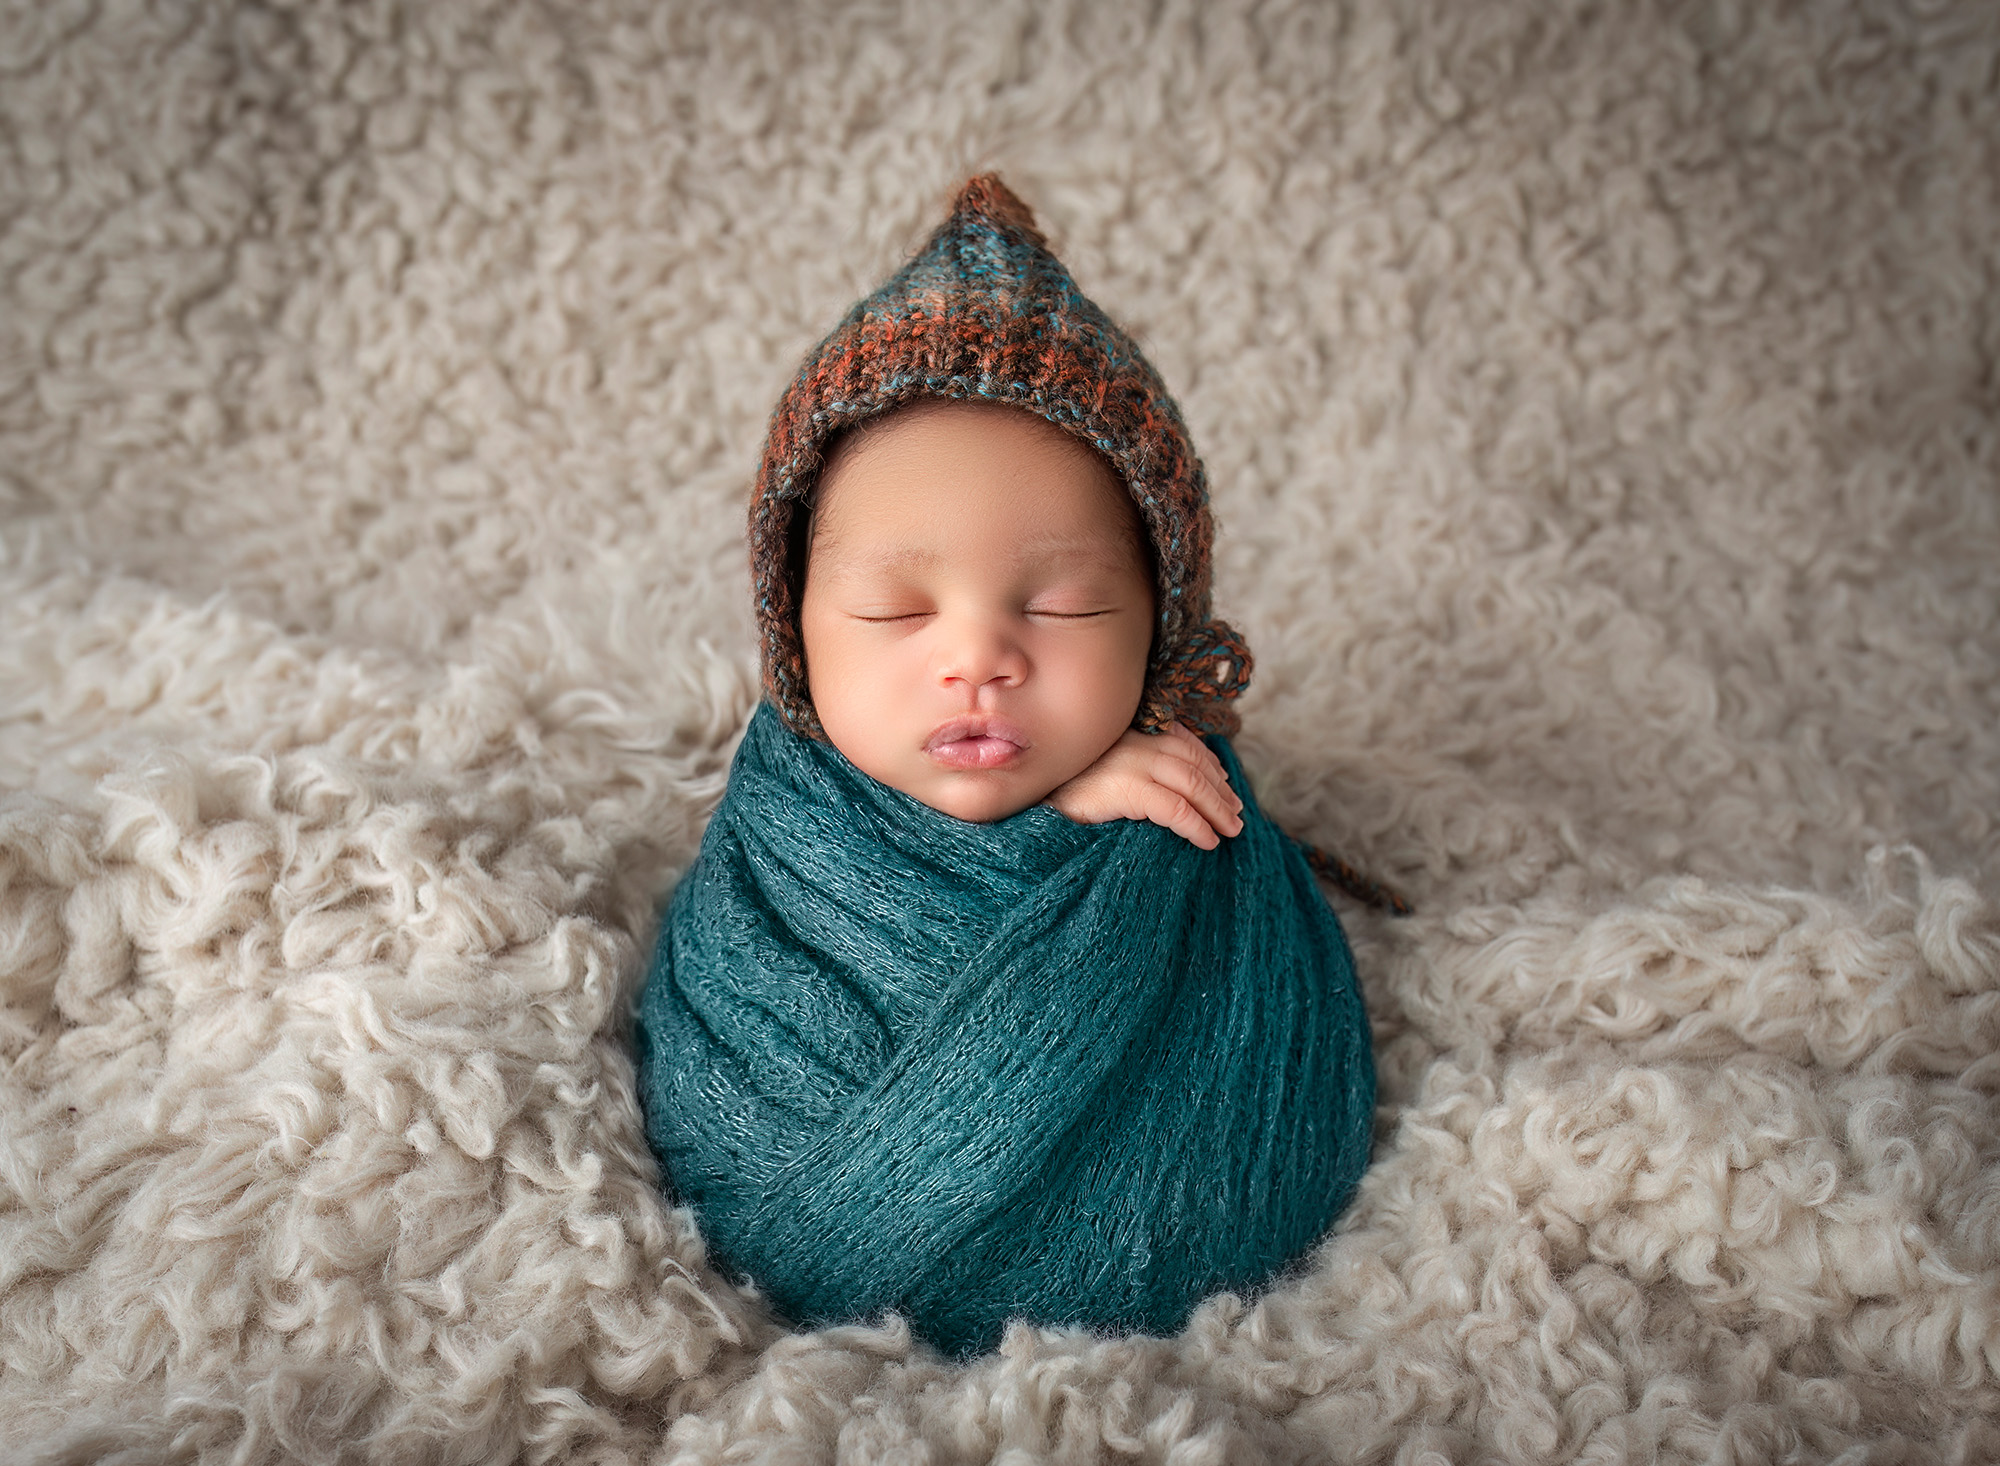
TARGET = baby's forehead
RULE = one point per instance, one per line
(932, 480)
(870, 548)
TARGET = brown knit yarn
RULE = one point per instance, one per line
(985, 313)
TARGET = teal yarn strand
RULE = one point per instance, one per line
(1030, 1069)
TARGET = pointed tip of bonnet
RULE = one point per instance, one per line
(985, 196)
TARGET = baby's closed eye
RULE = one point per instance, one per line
(1077, 601)
(1069, 612)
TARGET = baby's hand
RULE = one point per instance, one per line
(1171, 778)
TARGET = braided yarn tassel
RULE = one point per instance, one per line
(1360, 887)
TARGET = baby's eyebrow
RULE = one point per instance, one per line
(1093, 547)
(876, 559)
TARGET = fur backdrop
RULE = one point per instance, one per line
(1602, 408)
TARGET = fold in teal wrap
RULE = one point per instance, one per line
(1068, 1073)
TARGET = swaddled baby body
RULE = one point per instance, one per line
(991, 995)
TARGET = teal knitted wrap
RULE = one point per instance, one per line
(1032, 1069)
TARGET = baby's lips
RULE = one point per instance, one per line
(976, 727)
(974, 753)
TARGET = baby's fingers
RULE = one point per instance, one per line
(1184, 743)
(1214, 802)
(1204, 783)
(1205, 800)
(1174, 812)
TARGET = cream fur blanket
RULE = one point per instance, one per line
(1604, 418)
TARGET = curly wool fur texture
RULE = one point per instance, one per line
(1599, 408)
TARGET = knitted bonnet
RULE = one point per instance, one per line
(985, 313)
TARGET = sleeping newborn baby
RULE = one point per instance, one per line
(977, 612)
(991, 994)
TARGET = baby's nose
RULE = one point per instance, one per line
(977, 652)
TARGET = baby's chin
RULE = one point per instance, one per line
(980, 797)
(977, 795)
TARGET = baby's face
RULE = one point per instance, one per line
(977, 606)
